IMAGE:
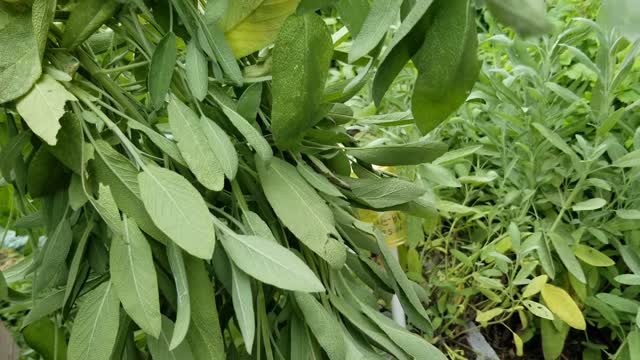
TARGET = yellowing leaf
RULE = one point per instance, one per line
(485, 316)
(260, 27)
(535, 286)
(592, 256)
(43, 107)
(519, 344)
(538, 309)
(561, 304)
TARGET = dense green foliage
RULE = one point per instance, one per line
(183, 159)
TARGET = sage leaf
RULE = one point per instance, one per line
(527, 17)
(86, 18)
(134, 277)
(402, 154)
(302, 210)
(323, 325)
(447, 63)
(412, 344)
(567, 256)
(43, 107)
(166, 145)
(197, 72)
(106, 206)
(318, 181)
(53, 256)
(221, 145)
(204, 335)
(161, 69)
(160, 349)
(382, 15)
(183, 316)
(20, 65)
(592, 256)
(561, 304)
(631, 159)
(301, 59)
(538, 309)
(242, 299)
(42, 15)
(257, 226)
(115, 170)
(387, 192)
(193, 145)
(96, 325)
(251, 25)
(178, 209)
(270, 263)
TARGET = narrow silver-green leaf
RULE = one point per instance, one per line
(323, 325)
(134, 277)
(53, 256)
(242, 299)
(221, 145)
(166, 145)
(183, 316)
(160, 349)
(257, 226)
(161, 69)
(194, 147)
(95, 327)
(527, 17)
(197, 71)
(270, 263)
(382, 15)
(301, 59)
(204, 335)
(567, 256)
(400, 154)
(178, 209)
(302, 210)
(318, 181)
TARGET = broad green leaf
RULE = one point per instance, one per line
(631, 159)
(178, 209)
(20, 64)
(561, 304)
(251, 134)
(221, 146)
(353, 14)
(183, 315)
(628, 279)
(455, 155)
(485, 316)
(242, 299)
(555, 140)
(620, 303)
(204, 335)
(194, 146)
(567, 256)
(318, 181)
(257, 226)
(386, 192)
(404, 44)
(44, 306)
(382, 15)
(323, 325)
(414, 345)
(43, 12)
(447, 63)
(592, 256)
(197, 71)
(630, 214)
(534, 286)
(302, 210)
(553, 338)
(95, 327)
(85, 19)
(161, 69)
(527, 17)
(249, 102)
(234, 11)
(106, 206)
(160, 349)
(251, 25)
(591, 204)
(270, 263)
(439, 175)
(301, 59)
(43, 106)
(46, 339)
(538, 309)
(403, 154)
(53, 256)
(70, 140)
(134, 277)
(115, 170)
(167, 146)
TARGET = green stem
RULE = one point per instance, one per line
(124, 67)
